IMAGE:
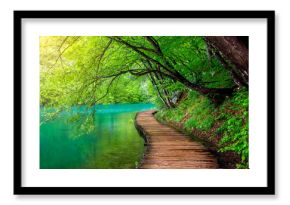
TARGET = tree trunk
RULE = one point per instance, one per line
(234, 54)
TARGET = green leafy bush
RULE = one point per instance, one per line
(235, 128)
(197, 111)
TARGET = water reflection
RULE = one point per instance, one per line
(83, 139)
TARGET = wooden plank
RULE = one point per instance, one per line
(167, 148)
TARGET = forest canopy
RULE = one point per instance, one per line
(90, 70)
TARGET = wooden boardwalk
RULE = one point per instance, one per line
(169, 149)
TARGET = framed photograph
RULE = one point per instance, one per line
(144, 102)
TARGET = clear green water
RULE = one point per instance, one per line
(106, 139)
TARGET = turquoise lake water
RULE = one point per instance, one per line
(83, 139)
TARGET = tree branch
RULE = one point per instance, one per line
(62, 52)
(118, 39)
(103, 53)
(154, 43)
(108, 88)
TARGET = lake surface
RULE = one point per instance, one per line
(100, 137)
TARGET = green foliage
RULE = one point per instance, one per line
(189, 56)
(195, 110)
(200, 111)
(171, 115)
(199, 123)
(73, 69)
(69, 70)
(235, 128)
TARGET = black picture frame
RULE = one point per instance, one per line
(269, 189)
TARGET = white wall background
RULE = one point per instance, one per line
(282, 99)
